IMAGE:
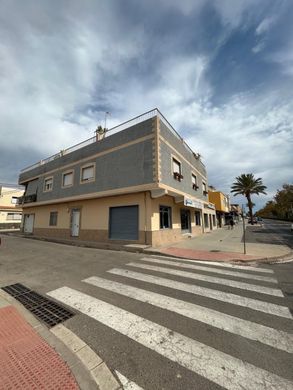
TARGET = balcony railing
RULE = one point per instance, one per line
(138, 119)
(27, 199)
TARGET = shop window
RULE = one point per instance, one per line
(197, 218)
(206, 220)
(165, 217)
(53, 218)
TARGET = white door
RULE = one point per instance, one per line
(28, 224)
(75, 217)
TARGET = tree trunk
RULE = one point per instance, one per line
(249, 202)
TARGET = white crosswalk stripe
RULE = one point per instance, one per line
(250, 330)
(126, 383)
(191, 354)
(211, 279)
(211, 269)
(247, 268)
(255, 304)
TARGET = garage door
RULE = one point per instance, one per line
(124, 223)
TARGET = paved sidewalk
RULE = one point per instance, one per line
(225, 244)
(32, 357)
(27, 362)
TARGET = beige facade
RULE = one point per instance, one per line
(10, 211)
(95, 219)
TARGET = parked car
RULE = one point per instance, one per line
(254, 219)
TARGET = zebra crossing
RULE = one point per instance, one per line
(194, 292)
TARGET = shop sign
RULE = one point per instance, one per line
(192, 203)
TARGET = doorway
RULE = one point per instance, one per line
(28, 223)
(185, 221)
(75, 221)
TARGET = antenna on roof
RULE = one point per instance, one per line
(106, 114)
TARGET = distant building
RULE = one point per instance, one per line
(236, 211)
(10, 210)
(138, 183)
(221, 202)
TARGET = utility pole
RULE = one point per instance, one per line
(244, 238)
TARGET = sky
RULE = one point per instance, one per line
(221, 71)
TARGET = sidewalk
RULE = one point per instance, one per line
(227, 245)
(32, 357)
(219, 245)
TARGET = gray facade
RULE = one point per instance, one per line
(128, 166)
(125, 159)
(195, 166)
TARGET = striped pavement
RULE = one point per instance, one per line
(207, 326)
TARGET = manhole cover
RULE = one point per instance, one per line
(46, 310)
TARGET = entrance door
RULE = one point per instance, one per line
(28, 223)
(75, 218)
(185, 221)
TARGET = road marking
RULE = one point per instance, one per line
(211, 269)
(206, 361)
(126, 383)
(211, 279)
(255, 304)
(250, 330)
(221, 264)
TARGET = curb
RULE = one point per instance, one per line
(89, 370)
(265, 260)
(149, 251)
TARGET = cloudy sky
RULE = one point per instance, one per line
(221, 71)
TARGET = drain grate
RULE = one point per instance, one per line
(46, 310)
(16, 289)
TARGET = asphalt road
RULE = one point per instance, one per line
(273, 232)
(164, 323)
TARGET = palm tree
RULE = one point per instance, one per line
(247, 184)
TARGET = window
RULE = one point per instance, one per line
(214, 220)
(13, 217)
(67, 179)
(204, 188)
(14, 200)
(48, 184)
(165, 217)
(197, 218)
(176, 165)
(53, 218)
(194, 182)
(87, 173)
(206, 220)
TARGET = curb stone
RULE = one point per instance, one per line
(264, 260)
(89, 370)
(150, 251)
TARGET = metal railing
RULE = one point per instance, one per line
(122, 126)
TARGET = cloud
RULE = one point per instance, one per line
(62, 67)
(265, 25)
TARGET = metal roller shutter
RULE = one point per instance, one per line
(123, 223)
